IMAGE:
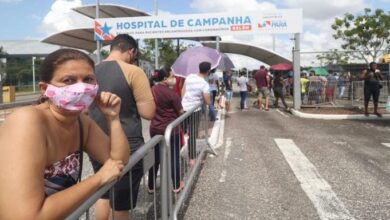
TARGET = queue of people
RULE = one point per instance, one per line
(117, 94)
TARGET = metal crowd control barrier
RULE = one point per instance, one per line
(137, 156)
(357, 98)
(185, 154)
(181, 153)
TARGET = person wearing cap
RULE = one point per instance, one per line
(372, 86)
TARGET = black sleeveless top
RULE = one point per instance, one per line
(111, 78)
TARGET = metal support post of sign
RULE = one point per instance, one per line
(217, 43)
(297, 72)
(98, 43)
(156, 52)
(273, 42)
(177, 47)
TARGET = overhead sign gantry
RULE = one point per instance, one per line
(198, 25)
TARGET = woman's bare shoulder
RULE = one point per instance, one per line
(30, 116)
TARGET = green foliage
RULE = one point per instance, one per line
(2, 52)
(368, 33)
(167, 51)
(19, 70)
(104, 54)
(333, 57)
(2, 66)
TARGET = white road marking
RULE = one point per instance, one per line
(328, 205)
(340, 142)
(222, 179)
(221, 130)
(225, 157)
(386, 144)
(282, 113)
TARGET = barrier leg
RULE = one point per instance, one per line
(206, 127)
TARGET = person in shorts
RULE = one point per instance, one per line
(227, 79)
(118, 75)
(263, 81)
(372, 86)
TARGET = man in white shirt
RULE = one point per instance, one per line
(196, 90)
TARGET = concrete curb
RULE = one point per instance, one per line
(338, 117)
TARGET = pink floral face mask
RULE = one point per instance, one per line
(75, 97)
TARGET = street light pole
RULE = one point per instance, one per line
(156, 51)
(98, 42)
(33, 72)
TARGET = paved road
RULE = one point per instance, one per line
(273, 165)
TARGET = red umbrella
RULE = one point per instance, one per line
(282, 66)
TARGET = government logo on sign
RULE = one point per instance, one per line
(103, 32)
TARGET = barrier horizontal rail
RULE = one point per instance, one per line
(17, 104)
(134, 158)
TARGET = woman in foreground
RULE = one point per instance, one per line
(41, 146)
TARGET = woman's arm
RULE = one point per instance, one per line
(24, 155)
(98, 144)
(364, 74)
(183, 90)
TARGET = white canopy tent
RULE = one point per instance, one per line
(84, 38)
(258, 53)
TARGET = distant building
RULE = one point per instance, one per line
(27, 48)
(20, 53)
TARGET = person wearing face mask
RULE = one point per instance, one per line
(42, 145)
(118, 75)
(168, 109)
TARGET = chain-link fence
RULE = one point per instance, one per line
(337, 78)
(339, 94)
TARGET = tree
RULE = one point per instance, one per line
(167, 50)
(19, 70)
(333, 57)
(369, 33)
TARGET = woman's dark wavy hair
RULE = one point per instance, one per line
(58, 57)
(160, 75)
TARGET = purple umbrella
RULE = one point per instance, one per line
(226, 63)
(188, 61)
